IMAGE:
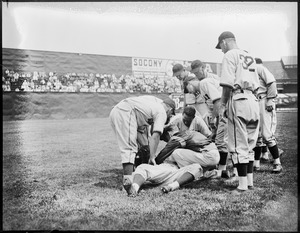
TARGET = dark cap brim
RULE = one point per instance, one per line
(177, 73)
(218, 46)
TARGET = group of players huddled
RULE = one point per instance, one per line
(231, 118)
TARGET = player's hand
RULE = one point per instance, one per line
(152, 161)
(269, 108)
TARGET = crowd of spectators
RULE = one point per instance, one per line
(75, 82)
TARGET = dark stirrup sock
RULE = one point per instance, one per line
(274, 151)
(223, 158)
(242, 169)
(257, 152)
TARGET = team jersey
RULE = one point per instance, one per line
(265, 79)
(197, 124)
(149, 111)
(239, 68)
(210, 89)
(212, 75)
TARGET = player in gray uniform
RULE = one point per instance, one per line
(266, 95)
(240, 81)
(202, 109)
(211, 90)
(130, 120)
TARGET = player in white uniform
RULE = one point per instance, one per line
(189, 99)
(188, 120)
(211, 90)
(130, 120)
(240, 81)
(266, 95)
(165, 174)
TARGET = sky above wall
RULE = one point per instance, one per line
(170, 30)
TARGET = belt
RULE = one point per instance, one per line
(239, 90)
(261, 96)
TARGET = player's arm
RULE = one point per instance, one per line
(153, 144)
(271, 95)
(224, 100)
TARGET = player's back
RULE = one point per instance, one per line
(241, 66)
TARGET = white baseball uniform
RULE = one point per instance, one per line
(239, 73)
(166, 173)
(266, 94)
(130, 120)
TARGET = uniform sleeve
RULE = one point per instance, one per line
(228, 71)
(209, 89)
(272, 90)
(159, 121)
(266, 75)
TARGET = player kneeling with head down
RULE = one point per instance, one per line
(167, 175)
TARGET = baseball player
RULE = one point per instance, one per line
(130, 120)
(211, 90)
(240, 81)
(266, 94)
(191, 140)
(190, 99)
(188, 120)
(166, 175)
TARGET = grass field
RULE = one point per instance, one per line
(66, 175)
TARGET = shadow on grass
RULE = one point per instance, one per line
(111, 179)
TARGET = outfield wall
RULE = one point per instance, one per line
(29, 106)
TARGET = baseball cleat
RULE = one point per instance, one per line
(256, 168)
(225, 174)
(127, 184)
(277, 168)
(166, 189)
(232, 180)
(210, 174)
(250, 187)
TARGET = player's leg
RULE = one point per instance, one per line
(268, 133)
(154, 174)
(221, 143)
(124, 124)
(183, 176)
(253, 133)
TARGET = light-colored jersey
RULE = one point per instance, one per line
(210, 89)
(149, 111)
(265, 79)
(197, 124)
(212, 75)
(239, 68)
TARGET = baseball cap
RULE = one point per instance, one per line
(168, 101)
(223, 36)
(258, 60)
(195, 65)
(177, 68)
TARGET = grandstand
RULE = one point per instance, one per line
(48, 71)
